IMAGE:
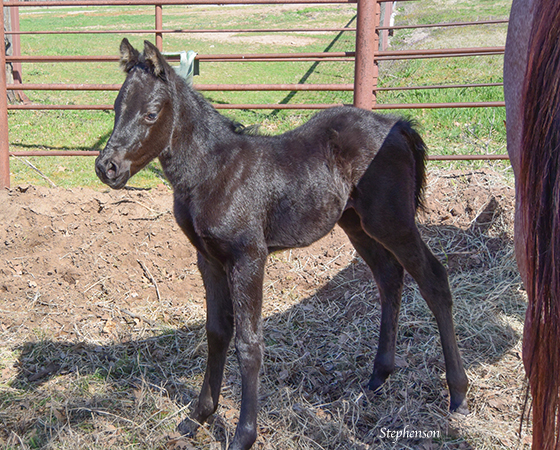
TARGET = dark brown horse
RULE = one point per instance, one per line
(239, 197)
(532, 94)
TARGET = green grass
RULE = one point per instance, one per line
(446, 131)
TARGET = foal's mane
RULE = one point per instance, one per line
(540, 193)
(250, 130)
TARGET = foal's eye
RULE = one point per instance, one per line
(151, 117)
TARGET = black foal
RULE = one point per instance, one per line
(239, 197)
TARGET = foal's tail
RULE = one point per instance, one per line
(540, 198)
(418, 148)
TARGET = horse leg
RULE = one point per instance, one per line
(407, 245)
(388, 274)
(385, 202)
(245, 277)
(219, 331)
(432, 280)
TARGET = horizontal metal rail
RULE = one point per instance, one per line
(96, 153)
(467, 157)
(198, 87)
(50, 107)
(205, 58)
(310, 106)
(35, 3)
(497, 104)
(252, 30)
(438, 86)
(26, 153)
(381, 55)
(196, 30)
(63, 87)
(171, 2)
(244, 87)
(443, 25)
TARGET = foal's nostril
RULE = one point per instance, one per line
(112, 170)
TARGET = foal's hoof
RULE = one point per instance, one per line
(375, 383)
(459, 407)
(188, 427)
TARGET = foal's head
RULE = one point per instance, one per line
(143, 115)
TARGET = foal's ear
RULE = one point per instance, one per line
(129, 55)
(155, 60)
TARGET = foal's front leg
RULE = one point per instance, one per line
(219, 331)
(245, 280)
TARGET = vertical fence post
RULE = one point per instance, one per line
(16, 43)
(4, 142)
(159, 26)
(367, 43)
(387, 14)
(377, 22)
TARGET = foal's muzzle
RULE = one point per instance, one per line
(112, 172)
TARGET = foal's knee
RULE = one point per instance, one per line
(249, 353)
(218, 340)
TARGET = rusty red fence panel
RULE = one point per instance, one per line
(366, 56)
(172, 2)
(4, 142)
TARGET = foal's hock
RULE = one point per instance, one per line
(239, 197)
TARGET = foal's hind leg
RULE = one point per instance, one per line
(432, 280)
(403, 240)
(384, 201)
(388, 274)
(219, 330)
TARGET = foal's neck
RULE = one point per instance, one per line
(198, 133)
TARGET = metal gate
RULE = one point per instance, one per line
(366, 56)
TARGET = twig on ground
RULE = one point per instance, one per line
(136, 316)
(149, 277)
(96, 283)
(25, 161)
(153, 211)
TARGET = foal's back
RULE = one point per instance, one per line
(308, 174)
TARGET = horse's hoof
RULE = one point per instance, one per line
(375, 383)
(459, 408)
(188, 427)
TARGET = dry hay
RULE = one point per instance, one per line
(103, 342)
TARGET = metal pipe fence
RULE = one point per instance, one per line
(366, 56)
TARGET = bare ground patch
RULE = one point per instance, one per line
(258, 39)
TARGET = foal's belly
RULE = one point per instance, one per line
(300, 224)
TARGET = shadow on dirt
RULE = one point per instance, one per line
(318, 358)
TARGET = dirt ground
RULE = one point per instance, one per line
(64, 253)
(83, 267)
